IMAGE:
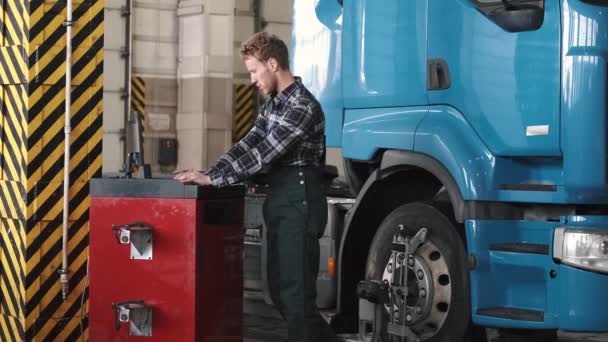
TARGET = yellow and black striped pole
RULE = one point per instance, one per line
(32, 76)
(244, 110)
(138, 96)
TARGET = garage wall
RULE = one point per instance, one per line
(155, 40)
(186, 52)
(275, 18)
(113, 85)
(205, 76)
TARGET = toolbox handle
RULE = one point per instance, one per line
(133, 226)
(130, 304)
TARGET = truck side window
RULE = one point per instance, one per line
(513, 15)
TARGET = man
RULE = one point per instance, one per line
(287, 140)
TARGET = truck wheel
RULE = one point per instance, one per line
(446, 310)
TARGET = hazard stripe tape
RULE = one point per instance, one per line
(247, 105)
(244, 112)
(50, 53)
(32, 72)
(48, 291)
(54, 135)
(13, 65)
(10, 329)
(139, 82)
(138, 98)
(243, 91)
(43, 62)
(12, 278)
(45, 234)
(43, 190)
(139, 85)
(137, 105)
(37, 240)
(14, 134)
(13, 100)
(243, 98)
(71, 307)
(15, 17)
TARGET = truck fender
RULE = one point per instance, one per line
(395, 161)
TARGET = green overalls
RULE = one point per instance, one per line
(295, 213)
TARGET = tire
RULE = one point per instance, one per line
(443, 323)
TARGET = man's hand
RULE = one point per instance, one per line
(193, 177)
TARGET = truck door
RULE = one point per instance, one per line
(384, 53)
(504, 79)
(316, 50)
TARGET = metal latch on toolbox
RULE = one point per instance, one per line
(139, 235)
(137, 313)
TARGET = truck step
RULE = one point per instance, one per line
(513, 313)
(528, 248)
(520, 254)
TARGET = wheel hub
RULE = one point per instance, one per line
(419, 286)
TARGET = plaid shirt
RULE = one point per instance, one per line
(289, 131)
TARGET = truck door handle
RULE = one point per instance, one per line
(438, 74)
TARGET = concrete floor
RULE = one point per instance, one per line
(263, 324)
(261, 329)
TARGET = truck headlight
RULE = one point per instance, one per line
(586, 249)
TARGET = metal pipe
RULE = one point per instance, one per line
(64, 272)
(257, 17)
(257, 27)
(128, 53)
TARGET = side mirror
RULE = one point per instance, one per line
(518, 18)
(328, 12)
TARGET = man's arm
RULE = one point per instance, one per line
(251, 139)
(294, 126)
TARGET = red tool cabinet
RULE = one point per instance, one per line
(165, 261)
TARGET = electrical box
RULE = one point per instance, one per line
(167, 152)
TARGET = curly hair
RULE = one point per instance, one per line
(264, 46)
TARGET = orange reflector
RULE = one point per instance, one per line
(331, 267)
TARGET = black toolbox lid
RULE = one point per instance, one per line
(159, 188)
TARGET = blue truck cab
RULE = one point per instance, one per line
(485, 124)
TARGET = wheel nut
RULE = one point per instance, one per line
(408, 317)
(422, 293)
(418, 310)
(411, 261)
(420, 274)
(396, 314)
(389, 268)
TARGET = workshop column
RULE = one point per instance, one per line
(205, 71)
(32, 75)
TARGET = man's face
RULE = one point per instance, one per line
(262, 74)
